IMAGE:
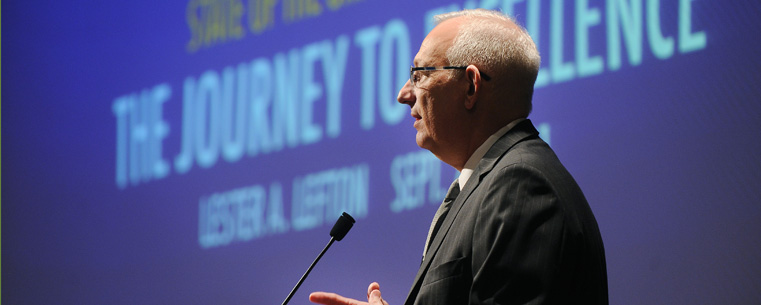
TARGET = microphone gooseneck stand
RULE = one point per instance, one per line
(342, 226)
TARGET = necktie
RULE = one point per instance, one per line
(441, 213)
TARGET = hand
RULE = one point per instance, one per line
(327, 298)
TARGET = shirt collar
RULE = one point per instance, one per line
(477, 155)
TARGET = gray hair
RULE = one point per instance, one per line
(498, 46)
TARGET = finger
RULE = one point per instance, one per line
(375, 298)
(328, 298)
(373, 286)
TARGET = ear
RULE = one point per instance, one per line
(473, 76)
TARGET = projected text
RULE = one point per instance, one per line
(215, 22)
(255, 108)
(414, 175)
(256, 211)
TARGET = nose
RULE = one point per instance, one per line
(406, 95)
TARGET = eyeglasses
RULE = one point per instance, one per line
(414, 78)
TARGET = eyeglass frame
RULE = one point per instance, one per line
(439, 68)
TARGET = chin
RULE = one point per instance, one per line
(423, 141)
(419, 143)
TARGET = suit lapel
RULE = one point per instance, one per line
(513, 136)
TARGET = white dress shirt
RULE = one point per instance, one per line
(470, 166)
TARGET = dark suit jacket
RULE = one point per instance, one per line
(520, 232)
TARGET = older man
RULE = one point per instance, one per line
(515, 227)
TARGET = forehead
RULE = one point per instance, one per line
(434, 47)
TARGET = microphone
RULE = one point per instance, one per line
(337, 233)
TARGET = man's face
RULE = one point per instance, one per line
(435, 99)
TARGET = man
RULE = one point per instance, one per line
(520, 230)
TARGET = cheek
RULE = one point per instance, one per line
(437, 115)
(433, 124)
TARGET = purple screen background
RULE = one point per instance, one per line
(666, 151)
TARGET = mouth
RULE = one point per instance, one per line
(416, 116)
(418, 119)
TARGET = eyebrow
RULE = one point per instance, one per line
(422, 63)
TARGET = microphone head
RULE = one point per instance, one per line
(342, 226)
